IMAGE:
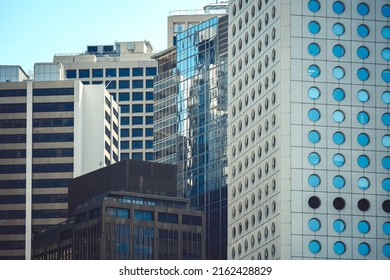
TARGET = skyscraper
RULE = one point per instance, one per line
(50, 132)
(308, 133)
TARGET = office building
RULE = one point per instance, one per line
(50, 132)
(126, 211)
(308, 138)
(127, 71)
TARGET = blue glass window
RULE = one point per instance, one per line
(124, 96)
(314, 136)
(149, 95)
(314, 71)
(136, 144)
(137, 108)
(314, 180)
(339, 225)
(363, 30)
(363, 9)
(338, 72)
(71, 74)
(363, 161)
(386, 32)
(338, 29)
(386, 162)
(125, 132)
(386, 97)
(338, 181)
(138, 96)
(314, 93)
(124, 156)
(125, 108)
(386, 75)
(149, 108)
(338, 7)
(386, 119)
(363, 139)
(149, 119)
(386, 140)
(385, 10)
(363, 52)
(386, 184)
(149, 83)
(149, 144)
(313, 49)
(149, 156)
(338, 94)
(151, 71)
(386, 54)
(338, 138)
(338, 51)
(124, 72)
(386, 228)
(314, 224)
(364, 249)
(148, 132)
(338, 116)
(314, 158)
(111, 72)
(363, 74)
(314, 6)
(137, 83)
(97, 73)
(314, 115)
(314, 246)
(125, 145)
(364, 227)
(137, 132)
(363, 95)
(314, 27)
(338, 160)
(363, 117)
(363, 183)
(386, 250)
(137, 120)
(138, 72)
(84, 73)
(110, 84)
(125, 120)
(339, 248)
(124, 84)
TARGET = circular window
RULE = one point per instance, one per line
(314, 27)
(386, 54)
(386, 228)
(338, 72)
(338, 116)
(339, 248)
(338, 138)
(386, 184)
(314, 224)
(362, 52)
(313, 49)
(386, 140)
(338, 7)
(338, 160)
(314, 180)
(386, 97)
(314, 6)
(385, 10)
(314, 202)
(363, 139)
(386, 32)
(314, 158)
(339, 203)
(314, 115)
(363, 183)
(313, 71)
(338, 94)
(363, 204)
(314, 246)
(339, 225)
(386, 162)
(363, 161)
(386, 119)
(314, 136)
(363, 30)
(314, 93)
(338, 29)
(363, 96)
(386, 206)
(363, 74)
(338, 181)
(338, 51)
(386, 75)
(364, 227)
(363, 117)
(364, 249)
(363, 9)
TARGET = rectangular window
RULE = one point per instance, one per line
(97, 73)
(53, 107)
(149, 156)
(137, 120)
(13, 108)
(125, 108)
(85, 82)
(12, 153)
(124, 72)
(53, 91)
(138, 71)
(13, 92)
(111, 84)
(125, 145)
(84, 73)
(52, 137)
(149, 119)
(149, 95)
(52, 168)
(137, 83)
(12, 138)
(137, 108)
(168, 217)
(71, 74)
(124, 84)
(97, 82)
(53, 122)
(149, 108)
(137, 132)
(113, 94)
(117, 212)
(125, 120)
(151, 71)
(111, 72)
(148, 132)
(149, 83)
(143, 215)
(124, 156)
(138, 96)
(149, 144)
(137, 156)
(192, 220)
(55, 152)
(136, 145)
(18, 123)
(124, 96)
(125, 132)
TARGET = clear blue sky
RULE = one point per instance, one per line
(34, 30)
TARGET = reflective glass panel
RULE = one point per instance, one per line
(338, 29)
(386, 54)
(363, 52)
(386, 32)
(338, 7)
(338, 51)
(338, 94)
(314, 246)
(338, 116)
(363, 74)
(314, 6)
(385, 10)
(314, 180)
(386, 97)
(364, 227)
(386, 228)
(339, 225)
(338, 72)
(314, 93)
(363, 117)
(363, 161)
(313, 49)
(313, 71)
(314, 115)
(386, 119)
(386, 162)
(363, 139)
(314, 27)
(338, 182)
(339, 248)
(363, 30)
(386, 75)
(363, 95)
(364, 249)
(314, 158)
(338, 160)
(386, 184)
(386, 140)
(363, 9)
(338, 138)
(314, 224)
(314, 136)
(363, 183)
(386, 250)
